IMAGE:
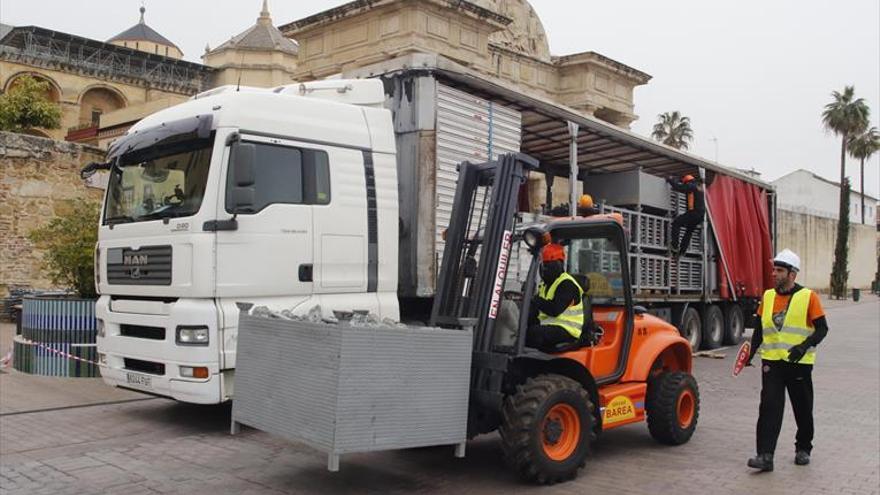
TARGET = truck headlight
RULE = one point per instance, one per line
(192, 335)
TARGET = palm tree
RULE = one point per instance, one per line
(862, 147)
(846, 116)
(673, 129)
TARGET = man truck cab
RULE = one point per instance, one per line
(308, 218)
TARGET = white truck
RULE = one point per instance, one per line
(174, 254)
(340, 197)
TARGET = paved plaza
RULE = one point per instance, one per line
(76, 436)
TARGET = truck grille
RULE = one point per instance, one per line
(149, 265)
(145, 366)
(142, 332)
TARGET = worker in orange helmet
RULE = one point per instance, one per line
(693, 217)
(557, 315)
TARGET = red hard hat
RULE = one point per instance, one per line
(687, 178)
(552, 252)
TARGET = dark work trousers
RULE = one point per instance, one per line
(689, 220)
(776, 378)
(546, 337)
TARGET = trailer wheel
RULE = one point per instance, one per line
(673, 407)
(691, 328)
(547, 428)
(713, 327)
(734, 324)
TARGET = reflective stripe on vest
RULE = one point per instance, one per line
(572, 319)
(795, 329)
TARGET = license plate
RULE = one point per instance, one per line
(139, 380)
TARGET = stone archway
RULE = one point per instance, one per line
(53, 93)
(98, 100)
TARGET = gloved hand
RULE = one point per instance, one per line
(796, 353)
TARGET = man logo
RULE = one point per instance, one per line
(135, 260)
(135, 272)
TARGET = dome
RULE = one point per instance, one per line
(141, 32)
(261, 36)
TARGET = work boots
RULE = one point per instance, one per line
(802, 458)
(764, 462)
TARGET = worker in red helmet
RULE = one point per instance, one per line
(557, 315)
(690, 219)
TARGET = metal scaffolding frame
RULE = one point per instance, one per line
(61, 51)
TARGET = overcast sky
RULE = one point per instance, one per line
(753, 74)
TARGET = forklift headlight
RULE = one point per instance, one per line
(535, 238)
(192, 336)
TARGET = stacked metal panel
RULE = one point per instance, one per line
(653, 231)
(651, 271)
(472, 129)
(687, 274)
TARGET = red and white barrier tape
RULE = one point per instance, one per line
(6, 359)
(56, 351)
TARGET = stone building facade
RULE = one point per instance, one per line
(39, 178)
(90, 78)
(502, 40)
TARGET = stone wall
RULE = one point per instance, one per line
(39, 178)
(812, 238)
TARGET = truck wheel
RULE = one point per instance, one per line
(713, 327)
(673, 407)
(734, 324)
(547, 428)
(691, 328)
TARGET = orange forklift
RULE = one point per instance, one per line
(549, 407)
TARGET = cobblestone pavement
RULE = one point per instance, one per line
(159, 446)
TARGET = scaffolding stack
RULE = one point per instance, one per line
(652, 267)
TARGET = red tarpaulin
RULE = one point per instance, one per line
(738, 211)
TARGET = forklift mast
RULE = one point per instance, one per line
(475, 262)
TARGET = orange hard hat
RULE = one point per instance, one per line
(687, 178)
(552, 252)
(586, 201)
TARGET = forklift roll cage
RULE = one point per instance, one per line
(474, 269)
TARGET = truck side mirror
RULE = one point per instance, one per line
(242, 199)
(243, 158)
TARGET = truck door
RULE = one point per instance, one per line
(341, 215)
(268, 257)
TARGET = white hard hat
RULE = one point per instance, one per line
(787, 259)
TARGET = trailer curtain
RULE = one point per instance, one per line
(740, 217)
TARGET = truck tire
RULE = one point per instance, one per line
(547, 428)
(673, 407)
(691, 328)
(713, 327)
(734, 324)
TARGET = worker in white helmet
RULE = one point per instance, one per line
(790, 324)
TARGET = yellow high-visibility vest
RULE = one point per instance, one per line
(572, 319)
(795, 328)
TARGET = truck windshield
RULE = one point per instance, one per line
(162, 181)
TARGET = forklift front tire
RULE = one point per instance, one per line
(547, 428)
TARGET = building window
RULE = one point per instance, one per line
(96, 115)
(166, 51)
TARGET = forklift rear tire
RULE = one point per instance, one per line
(673, 406)
(547, 429)
(692, 328)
